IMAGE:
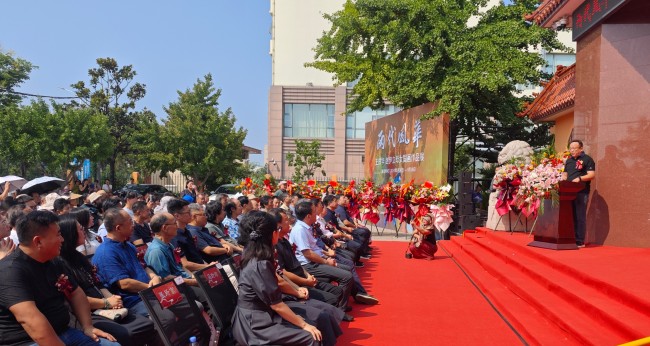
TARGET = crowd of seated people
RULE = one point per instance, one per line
(298, 267)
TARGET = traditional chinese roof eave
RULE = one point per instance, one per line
(557, 97)
(544, 11)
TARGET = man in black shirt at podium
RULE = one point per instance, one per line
(579, 168)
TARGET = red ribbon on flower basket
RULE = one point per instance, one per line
(267, 186)
(371, 216)
(353, 209)
(506, 199)
(531, 208)
(389, 204)
(403, 212)
(423, 209)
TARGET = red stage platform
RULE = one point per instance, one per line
(596, 295)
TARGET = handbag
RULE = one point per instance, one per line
(112, 314)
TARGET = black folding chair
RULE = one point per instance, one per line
(222, 298)
(235, 264)
(175, 314)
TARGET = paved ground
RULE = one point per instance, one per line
(388, 234)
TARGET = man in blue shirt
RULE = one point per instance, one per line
(164, 259)
(118, 266)
(311, 256)
(161, 255)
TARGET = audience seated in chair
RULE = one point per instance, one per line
(211, 248)
(131, 329)
(32, 307)
(118, 266)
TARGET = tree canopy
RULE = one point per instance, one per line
(13, 71)
(198, 139)
(110, 92)
(40, 139)
(103, 125)
(410, 52)
(306, 160)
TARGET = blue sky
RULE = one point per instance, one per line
(169, 43)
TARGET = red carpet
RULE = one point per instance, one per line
(421, 303)
(595, 295)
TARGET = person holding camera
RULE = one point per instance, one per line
(423, 243)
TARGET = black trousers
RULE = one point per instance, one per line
(580, 215)
(362, 236)
(327, 293)
(327, 273)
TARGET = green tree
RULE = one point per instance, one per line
(13, 71)
(113, 94)
(76, 134)
(463, 160)
(145, 155)
(197, 138)
(24, 137)
(411, 52)
(306, 160)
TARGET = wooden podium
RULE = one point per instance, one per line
(554, 230)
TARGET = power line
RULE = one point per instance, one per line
(35, 95)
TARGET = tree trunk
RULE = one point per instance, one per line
(111, 163)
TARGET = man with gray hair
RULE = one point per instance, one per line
(161, 255)
(211, 248)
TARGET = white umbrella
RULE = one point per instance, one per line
(15, 182)
(42, 185)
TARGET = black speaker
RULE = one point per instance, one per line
(465, 209)
(465, 183)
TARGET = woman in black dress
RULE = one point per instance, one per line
(130, 330)
(262, 317)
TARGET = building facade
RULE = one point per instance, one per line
(304, 104)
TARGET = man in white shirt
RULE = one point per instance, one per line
(311, 256)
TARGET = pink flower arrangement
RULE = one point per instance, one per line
(537, 183)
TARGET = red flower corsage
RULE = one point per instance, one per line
(64, 285)
(579, 165)
(140, 256)
(177, 255)
(95, 277)
(294, 247)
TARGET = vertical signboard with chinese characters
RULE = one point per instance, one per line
(403, 147)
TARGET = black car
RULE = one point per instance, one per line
(142, 189)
